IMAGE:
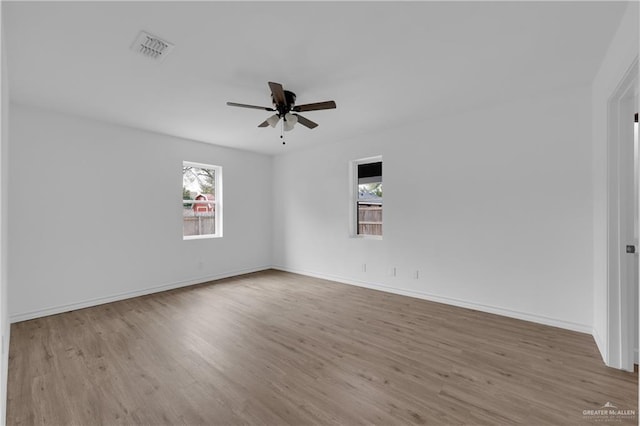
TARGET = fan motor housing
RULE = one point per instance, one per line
(289, 98)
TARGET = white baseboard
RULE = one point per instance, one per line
(24, 316)
(540, 319)
(602, 347)
(583, 328)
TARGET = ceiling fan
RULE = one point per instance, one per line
(284, 107)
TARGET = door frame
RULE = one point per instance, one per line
(621, 107)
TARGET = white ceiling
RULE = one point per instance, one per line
(384, 63)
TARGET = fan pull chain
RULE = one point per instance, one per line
(282, 132)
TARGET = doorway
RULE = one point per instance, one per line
(635, 293)
(623, 224)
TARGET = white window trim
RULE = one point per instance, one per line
(217, 201)
(353, 197)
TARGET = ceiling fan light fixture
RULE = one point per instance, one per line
(273, 120)
(290, 121)
(283, 105)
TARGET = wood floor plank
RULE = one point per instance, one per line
(274, 348)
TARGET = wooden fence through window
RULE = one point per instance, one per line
(369, 219)
(198, 223)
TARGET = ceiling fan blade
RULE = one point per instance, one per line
(250, 106)
(315, 106)
(306, 122)
(265, 123)
(278, 93)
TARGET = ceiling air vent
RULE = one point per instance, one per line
(151, 46)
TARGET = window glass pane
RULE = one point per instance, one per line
(198, 200)
(369, 199)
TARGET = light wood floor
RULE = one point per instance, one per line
(274, 348)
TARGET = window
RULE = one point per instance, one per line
(201, 201)
(367, 197)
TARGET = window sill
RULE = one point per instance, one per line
(200, 237)
(367, 237)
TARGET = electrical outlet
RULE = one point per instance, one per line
(393, 271)
(364, 267)
(416, 275)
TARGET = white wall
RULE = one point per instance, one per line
(4, 182)
(619, 57)
(96, 213)
(493, 207)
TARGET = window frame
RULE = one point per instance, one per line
(353, 197)
(217, 201)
